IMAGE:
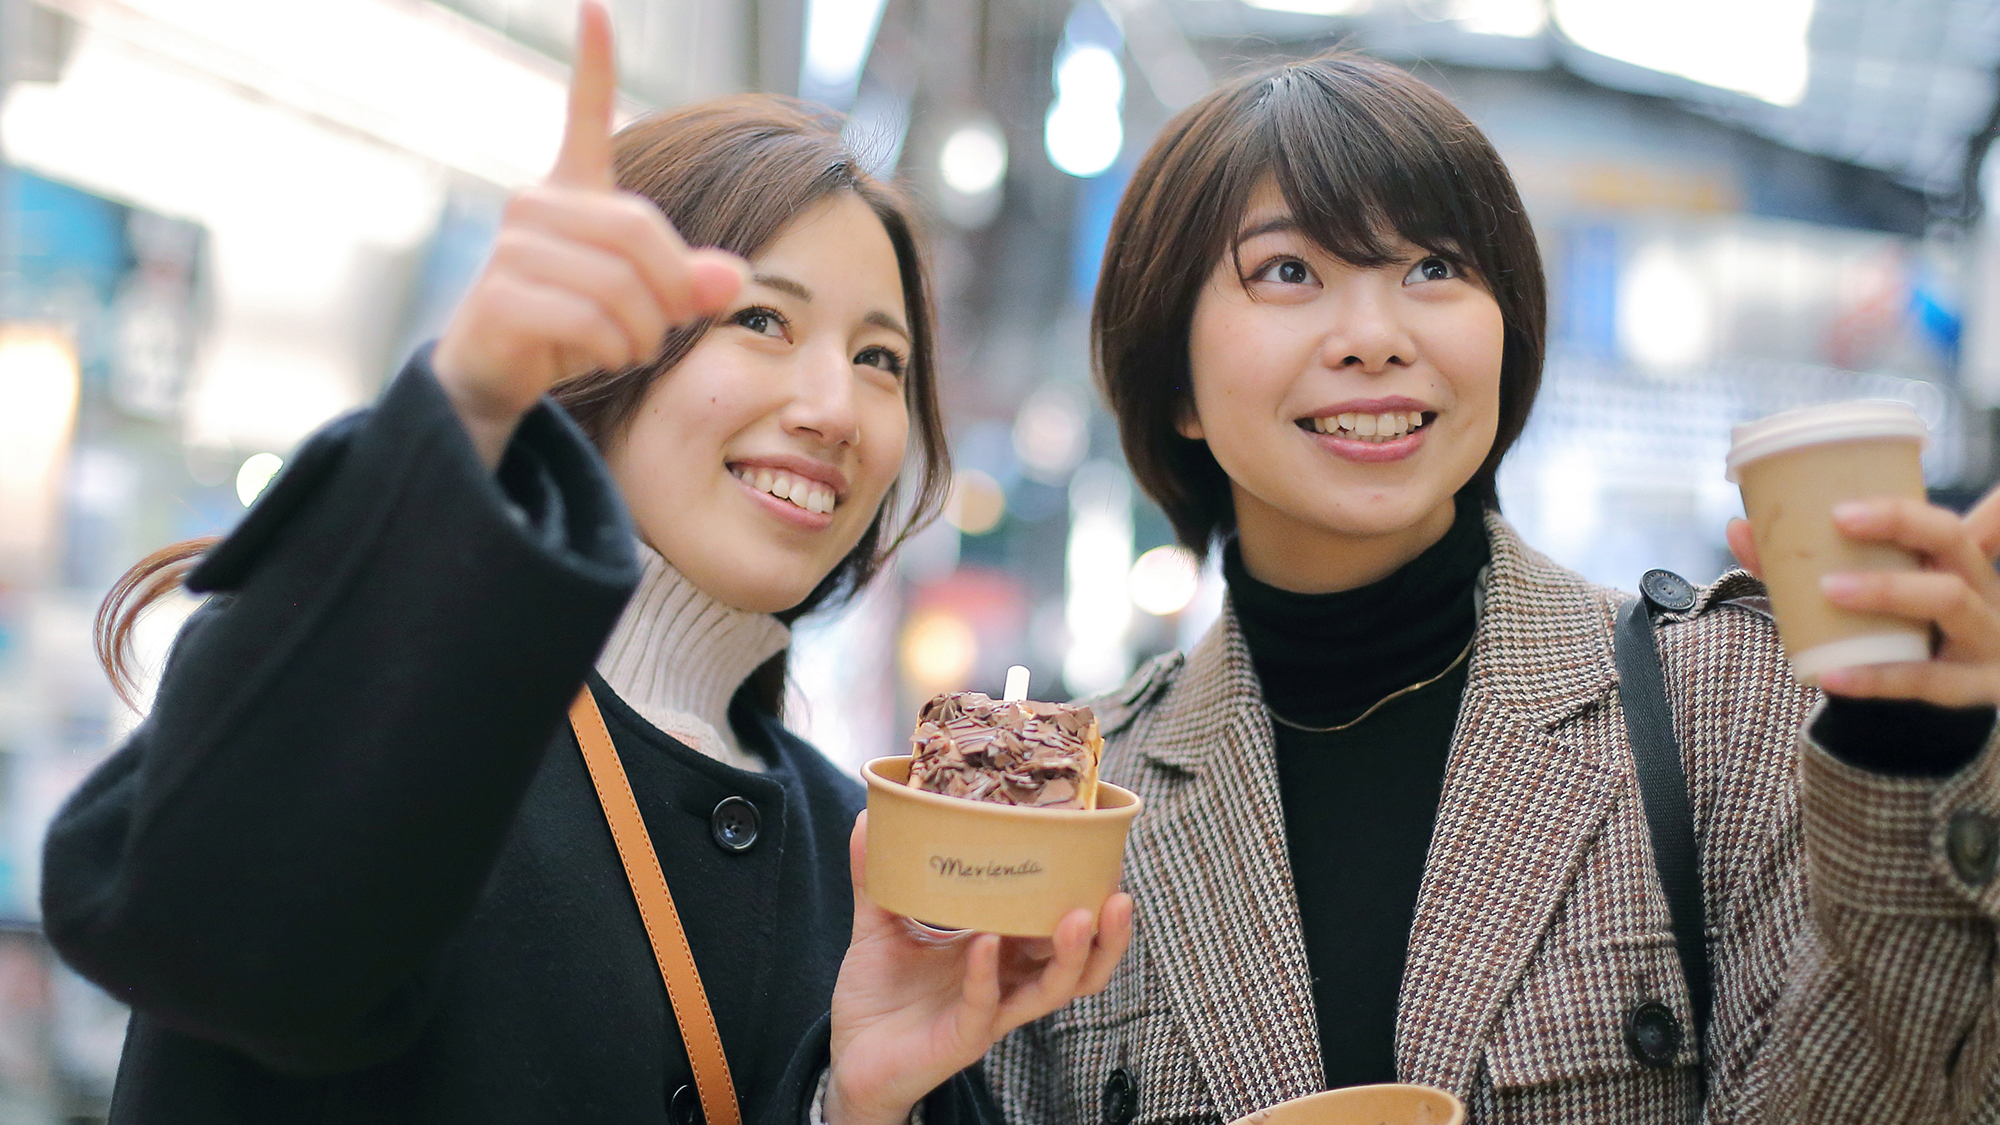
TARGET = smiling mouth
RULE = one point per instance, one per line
(1373, 428)
(809, 495)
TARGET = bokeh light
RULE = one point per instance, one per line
(937, 650)
(977, 502)
(256, 473)
(974, 158)
(1164, 580)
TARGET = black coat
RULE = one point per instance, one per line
(351, 867)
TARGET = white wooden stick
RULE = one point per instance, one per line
(1017, 684)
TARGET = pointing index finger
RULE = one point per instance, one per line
(585, 158)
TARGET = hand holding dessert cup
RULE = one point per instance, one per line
(985, 895)
(997, 820)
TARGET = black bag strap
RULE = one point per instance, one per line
(1649, 724)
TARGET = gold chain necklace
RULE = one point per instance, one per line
(1380, 703)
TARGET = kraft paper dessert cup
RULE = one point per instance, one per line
(973, 865)
(1793, 468)
(1387, 1104)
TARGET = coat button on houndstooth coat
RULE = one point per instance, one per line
(1854, 977)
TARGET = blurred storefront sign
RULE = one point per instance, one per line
(39, 384)
(1675, 293)
(1668, 328)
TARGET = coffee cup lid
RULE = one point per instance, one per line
(1818, 425)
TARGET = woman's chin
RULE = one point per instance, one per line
(748, 593)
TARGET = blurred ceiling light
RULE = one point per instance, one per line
(255, 473)
(974, 158)
(1756, 47)
(1085, 130)
(1052, 432)
(1090, 74)
(1159, 45)
(1164, 580)
(132, 125)
(1313, 7)
(39, 384)
(839, 34)
(416, 76)
(938, 651)
(976, 503)
(1519, 19)
(973, 166)
(1666, 318)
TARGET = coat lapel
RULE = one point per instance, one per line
(1521, 805)
(1208, 867)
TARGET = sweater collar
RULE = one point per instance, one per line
(678, 655)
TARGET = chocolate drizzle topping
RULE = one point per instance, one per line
(1042, 755)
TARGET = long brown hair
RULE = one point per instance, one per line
(730, 173)
(1359, 149)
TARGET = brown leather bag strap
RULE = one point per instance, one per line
(656, 908)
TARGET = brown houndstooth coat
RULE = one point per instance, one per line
(1854, 964)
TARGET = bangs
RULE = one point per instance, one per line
(1362, 168)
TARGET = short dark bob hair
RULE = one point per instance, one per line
(1360, 150)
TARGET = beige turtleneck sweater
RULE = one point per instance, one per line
(677, 657)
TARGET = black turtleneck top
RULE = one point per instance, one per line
(1360, 802)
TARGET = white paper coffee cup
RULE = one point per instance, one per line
(1793, 469)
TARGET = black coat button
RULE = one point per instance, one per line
(1653, 1034)
(733, 824)
(684, 1107)
(1120, 1097)
(1972, 843)
(1667, 591)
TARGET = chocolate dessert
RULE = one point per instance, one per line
(1041, 755)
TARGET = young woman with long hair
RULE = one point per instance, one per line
(351, 868)
(1393, 828)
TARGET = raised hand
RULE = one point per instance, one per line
(583, 276)
(914, 1007)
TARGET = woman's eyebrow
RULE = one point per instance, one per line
(787, 286)
(1278, 224)
(884, 320)
(784, 285)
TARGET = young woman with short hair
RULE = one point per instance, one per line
(1392, 825)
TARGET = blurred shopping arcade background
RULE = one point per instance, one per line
(222, 222)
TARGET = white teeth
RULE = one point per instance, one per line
(807, 494)
(1387, 426)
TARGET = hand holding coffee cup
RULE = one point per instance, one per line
(1794, 469)
(1860, 567)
